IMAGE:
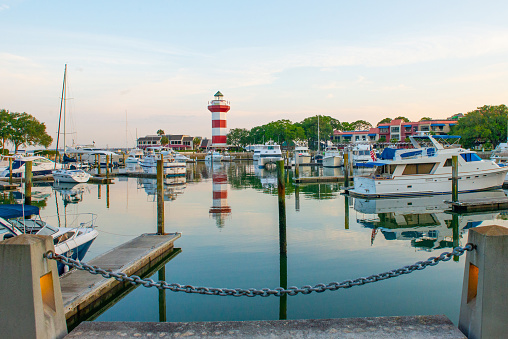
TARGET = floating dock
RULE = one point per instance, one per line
(84, 294)
(100, 180)
(478, 205)
(311, 180)
(4, 186)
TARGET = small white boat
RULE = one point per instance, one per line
(213, 156)
(40, 166)
(179, 157)
(135, 156)
(302, 155)
(70, 175)
(171, 167)
(269, 154)
(70, 242)
(332, 157)
(427, 170)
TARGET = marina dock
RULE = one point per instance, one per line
(478, 205)
(4, 186)
(312, 180)
(83, 293)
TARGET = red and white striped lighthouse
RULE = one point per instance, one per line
(220, 209)
(219, 107)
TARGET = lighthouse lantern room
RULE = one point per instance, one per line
(219, 107)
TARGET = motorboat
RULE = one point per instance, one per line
(70, 175)
(135, 155)
(360, 154)
(40, 166)
(213, 156)
(69, 242)
(171, 167)
(301, 155)
(269, 154)
(427, 170)
(179, 157)
(332, 157)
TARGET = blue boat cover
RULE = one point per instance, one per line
(411, 154)
(388, 153)
(372, 164)
(446, 136)
(10, 211)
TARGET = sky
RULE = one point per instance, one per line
(134, 67)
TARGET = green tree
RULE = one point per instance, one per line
(402, 118)
(384, 121)
(160, 132)
(164, 140)
(327, 125)
(196, 142)
(5, 126)
(425, 119)
(27, 130)
(486, 124)
(238, 137)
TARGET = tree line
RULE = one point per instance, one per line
(22, 129)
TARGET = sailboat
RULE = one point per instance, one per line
(66, 174)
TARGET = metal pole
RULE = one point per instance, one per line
(281, 190)
(160, 195)
(455, 178)
(28, 183)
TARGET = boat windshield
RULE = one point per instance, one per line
(47, 230)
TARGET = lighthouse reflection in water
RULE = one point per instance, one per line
(220, 209)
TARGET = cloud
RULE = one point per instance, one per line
(4, 7)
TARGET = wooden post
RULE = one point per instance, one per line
(346, 212)
(28, 183)
(162, 296)
(297, 165)
(281, 190)
(346, 169)
(484, 303)
(99, 191)
(160, 195)
(124, 155)
(99, 164)
(80, 159)
(107, 195)
(455, 178)
(297, 198)
(107, 167)
(283, 279)
(10, 171)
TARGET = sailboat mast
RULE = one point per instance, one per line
(318, 136)
(60, 117)
(64, 108)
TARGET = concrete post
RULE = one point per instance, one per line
(484, 303)
(30, 295)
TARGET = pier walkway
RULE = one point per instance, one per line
(84, 293)
(383, 327)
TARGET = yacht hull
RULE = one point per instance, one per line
(332, 161)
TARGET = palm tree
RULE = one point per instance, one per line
(160, 132)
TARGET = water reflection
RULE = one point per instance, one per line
(220, 209)
(71, 193)
(421, 220)
(173, 187)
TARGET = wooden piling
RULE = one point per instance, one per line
(346, 169)
(297, 165)
(162, 296)
(98, 164)
(10, 171)
(455, 178)
(281, 190)
(346, 212)
(160, 195)
(107, 166)
(28, 183)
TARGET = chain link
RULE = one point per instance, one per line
(264, 292)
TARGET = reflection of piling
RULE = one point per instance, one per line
(346, 212)
(107, 166)
(455, 178)
(28, 183)
(160, 195)
(297, 198)
(283, 300)
(10, 171)
(98, 164)
(455, 230)
(107, 195)
(99, 191)
(281, 189)
(162, 296)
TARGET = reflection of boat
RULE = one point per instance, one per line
(179, 157)
(427, 170)
(70, 242)
(333, 172)
(173, 186)
(171, 167)
(268, 178)
(71, 193)
(422, 220)
(332, 157)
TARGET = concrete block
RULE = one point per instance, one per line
(30, 298)
(484, 303)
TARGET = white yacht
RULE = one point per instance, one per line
(171, 167)
(135, 156)
(213, 156)
(427, 170)
(360, 153)
(301, 155)
(332, 157)
(40, 166)
(179, 157)
(269, 154)
(70, 175)
(70, 242)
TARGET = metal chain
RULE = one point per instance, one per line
(264, 292)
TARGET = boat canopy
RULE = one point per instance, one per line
(388, 153)
(372, 164)
(11, 211)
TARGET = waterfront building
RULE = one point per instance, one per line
(397, 130)
(219, 107)
(176, 141)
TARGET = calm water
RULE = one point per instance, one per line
(329, 238)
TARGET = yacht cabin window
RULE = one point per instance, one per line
(424, 168)
(470, 157)
(386, 169)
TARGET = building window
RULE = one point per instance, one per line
(395, 129)
(425, 128)
(357, 137)
(372, 137)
